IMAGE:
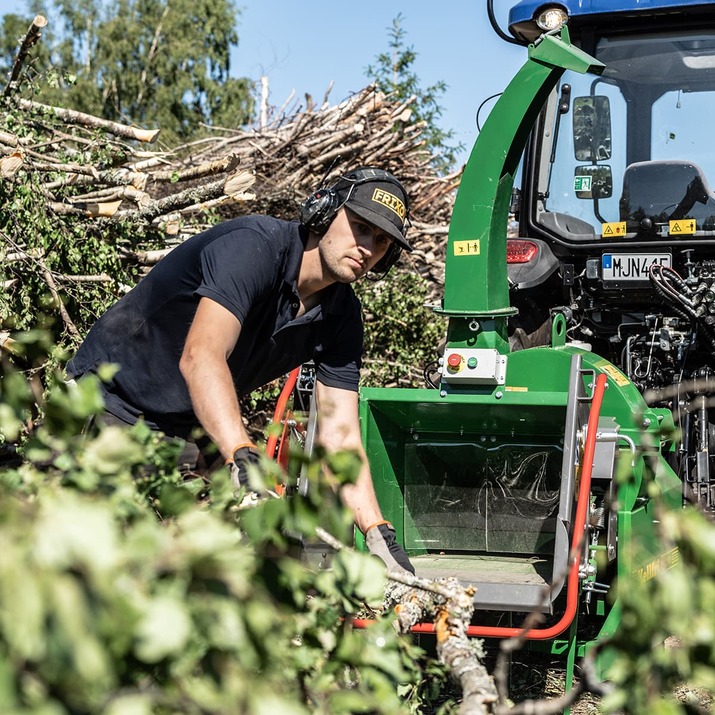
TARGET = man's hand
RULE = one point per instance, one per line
(380, 540)
(243, 456)
(246, 457)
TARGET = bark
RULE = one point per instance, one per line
(450, 606)
(72, 116)
(27, 43)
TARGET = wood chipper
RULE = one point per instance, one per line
(507, 475)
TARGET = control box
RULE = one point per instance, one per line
(468, 366)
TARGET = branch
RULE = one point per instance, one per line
(235, 184)
(71, 327)
(587, 683)
(228, 163)
(33, 35)
(451, 606)
(71, 116)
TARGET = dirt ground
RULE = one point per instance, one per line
(536, 676)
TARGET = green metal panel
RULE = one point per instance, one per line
(475, 278)
(418, 438)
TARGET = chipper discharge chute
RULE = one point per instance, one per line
(505, 476)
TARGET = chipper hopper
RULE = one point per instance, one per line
(525, 472)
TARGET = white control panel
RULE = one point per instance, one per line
(468, 366)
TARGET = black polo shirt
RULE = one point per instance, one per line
(249, 266)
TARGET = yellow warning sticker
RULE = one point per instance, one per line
(662, 562)
(682, 226)
(514, 388)
(612, 230)
(467, 248)
(613, 372)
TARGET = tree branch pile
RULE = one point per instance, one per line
(108, 172)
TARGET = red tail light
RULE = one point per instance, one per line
(518, 250)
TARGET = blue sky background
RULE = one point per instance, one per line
(303, 46)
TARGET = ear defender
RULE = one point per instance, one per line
(319, 209)
(392, 255)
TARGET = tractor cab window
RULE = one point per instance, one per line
(636, 131)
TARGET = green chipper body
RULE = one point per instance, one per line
(481, 476)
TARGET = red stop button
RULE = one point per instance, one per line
(454, 360)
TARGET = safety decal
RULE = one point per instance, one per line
(385, 198)
(467, 248)
(663, 562)
(682, 226)
(614, 229)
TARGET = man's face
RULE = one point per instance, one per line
(351, 247)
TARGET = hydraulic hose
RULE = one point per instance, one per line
(278, 415)
(577, 542)
(497, 29)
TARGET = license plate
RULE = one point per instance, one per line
(622, 267)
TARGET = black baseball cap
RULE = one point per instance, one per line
(378, 197)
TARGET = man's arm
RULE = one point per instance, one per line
(339, 428)
(211, 339)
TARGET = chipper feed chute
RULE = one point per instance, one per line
(482, 476)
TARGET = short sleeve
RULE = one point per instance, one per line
(338, 363)
(238, 268)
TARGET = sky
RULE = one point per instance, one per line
(304, 46)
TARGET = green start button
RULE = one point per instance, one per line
(472, 363)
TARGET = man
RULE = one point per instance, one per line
(244, 303)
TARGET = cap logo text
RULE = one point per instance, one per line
(391, 201)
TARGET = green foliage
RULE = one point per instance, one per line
(667, 632)
(126, 588)
(402, 335)
(149, 62)
(36, 243)
(394, 74)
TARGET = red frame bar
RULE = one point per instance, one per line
(280, 410)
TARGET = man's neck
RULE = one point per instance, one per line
(311, 278)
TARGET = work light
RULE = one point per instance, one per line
(552, 18)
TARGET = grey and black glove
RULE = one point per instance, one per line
(243, 456)
(246, 457)
(380, 540)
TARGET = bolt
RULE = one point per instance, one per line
(498, 394)
(646, 421)
(443, 393)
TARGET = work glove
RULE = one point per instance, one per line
(380, 540)
(243, 456)
(246, 457)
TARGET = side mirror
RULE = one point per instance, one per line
(592, 128)
(593, 182)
